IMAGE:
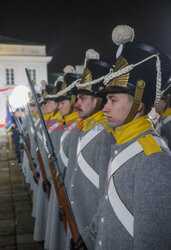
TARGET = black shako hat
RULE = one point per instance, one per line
(93, 70)
(51, 91)
(166, 93)
(140, 70)
(166, 90)
(145, 72)
(68, 80)
(31, 101)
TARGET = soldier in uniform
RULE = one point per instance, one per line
(37, 133)
(16, 136)
(29, 128)
(56, 235)
(135, 208)
(51, 117)
(54, 230)
(163, 125)
(85, 172)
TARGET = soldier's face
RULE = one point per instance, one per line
(85, 105)
(33, 109)
(117, 107)
(43, 108)
(64, 107)
(50, 106)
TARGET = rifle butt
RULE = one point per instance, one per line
(31, 164)
(60, 205)
(43, 173)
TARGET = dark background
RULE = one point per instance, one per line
(70, 27)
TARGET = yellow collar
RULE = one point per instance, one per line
(57, 116)
(166, 113)
(47, 116)
(35, 115)
(92, 121)
(132, 129)
(71, 117)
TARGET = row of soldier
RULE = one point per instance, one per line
(114, 164)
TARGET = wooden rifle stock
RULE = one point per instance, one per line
(46, 183)
(28, 141)
(35, 176)
(61, 208)
(64, 208)
(67, 209)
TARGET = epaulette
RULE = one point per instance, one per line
(149, 144)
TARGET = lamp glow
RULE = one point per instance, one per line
(19, 97)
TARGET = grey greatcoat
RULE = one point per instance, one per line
(29, 173)
(42, 201)
(55, 234)
(36, 186)
(52, 211)
(85, 176)
(164, 128)
(134, 211)
(25, 163)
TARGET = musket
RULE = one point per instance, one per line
(27, 151)
(26, 136)
(64, 205)
(28, 140)
(45, 184)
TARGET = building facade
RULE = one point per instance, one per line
(15, 56)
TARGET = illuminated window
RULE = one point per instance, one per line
(32, 73)
(9, 76)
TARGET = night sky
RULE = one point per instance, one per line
(70, 27)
